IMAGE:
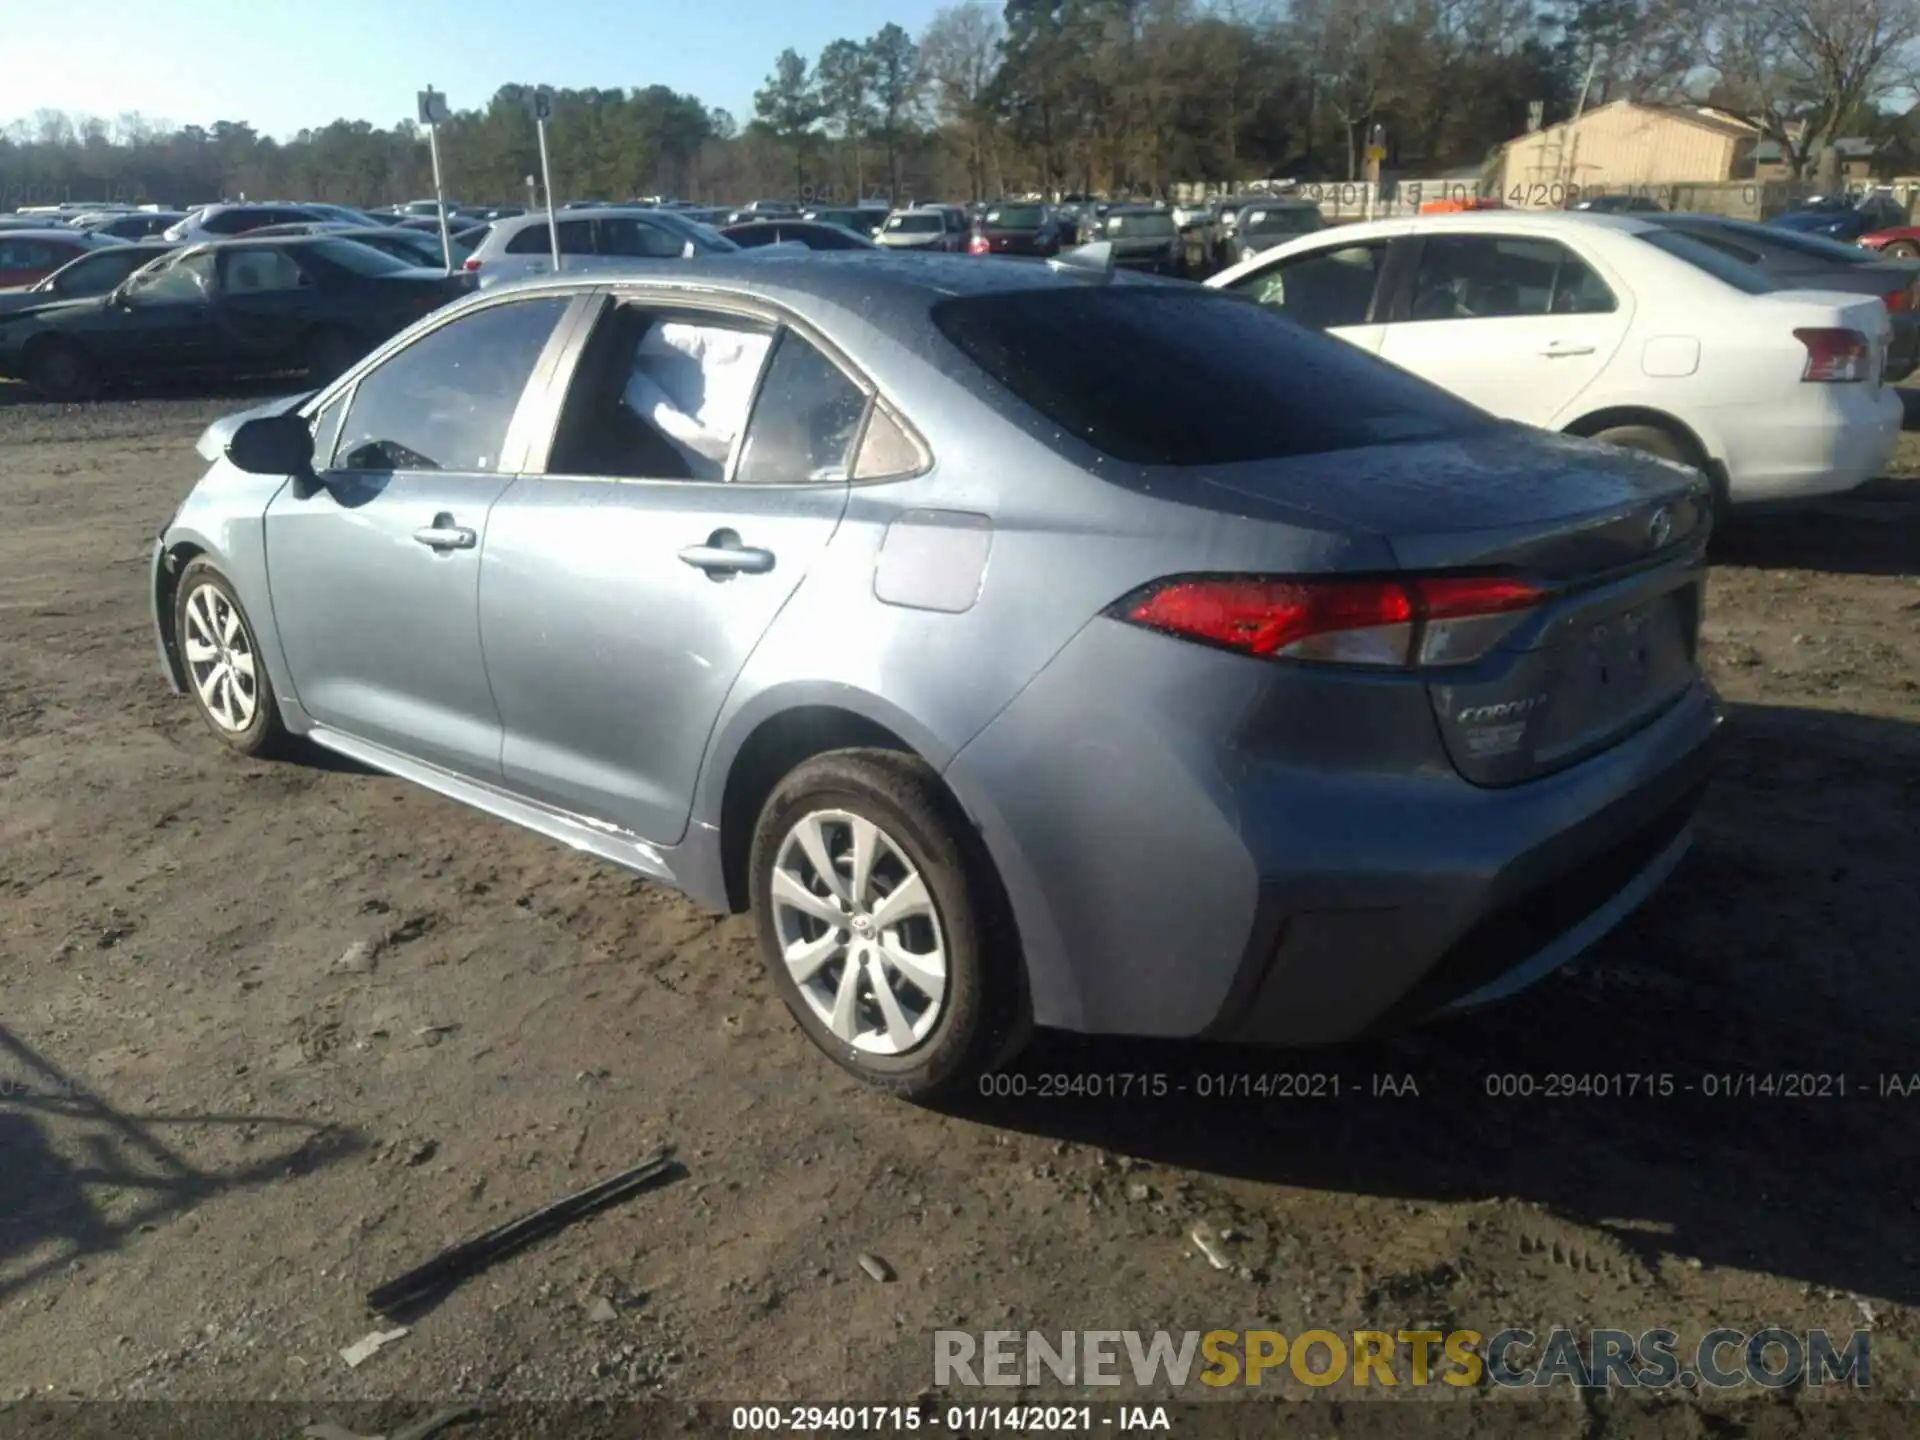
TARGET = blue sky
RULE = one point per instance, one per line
(284, 65)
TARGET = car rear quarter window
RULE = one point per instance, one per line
(446, 401)
(576, 238)
(1186, 377)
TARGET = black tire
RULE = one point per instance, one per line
(61, 370)
(981, 1022)
(1902, 250)
(263, 734)
(330, 350)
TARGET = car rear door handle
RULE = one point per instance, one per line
(723, 556)
(1559, 349)
(443, 534)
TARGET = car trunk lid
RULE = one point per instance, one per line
(1613, 541)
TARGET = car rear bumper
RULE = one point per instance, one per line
(1171, 877)
(1801, 452)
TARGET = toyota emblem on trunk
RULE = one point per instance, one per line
(1660, 527)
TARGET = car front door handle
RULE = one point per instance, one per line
(1558, 350)
(443, 534)
(723, 556)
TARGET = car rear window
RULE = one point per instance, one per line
(1141, 224)
(915, 224)
(355, 258)
(1282, 220)
(1016, 217)
(1702, 256)
(1178, 376)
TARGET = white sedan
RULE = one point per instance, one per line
(1606, 326)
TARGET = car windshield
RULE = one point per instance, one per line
(351, 255)
(1144, 223)
(1283, 220)
(1702, 256)
(914, 224)
(1016, 217)
(1231, 380)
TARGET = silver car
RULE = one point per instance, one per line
(1260, 692)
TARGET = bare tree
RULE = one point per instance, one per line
(960, 49)
(1806, 70)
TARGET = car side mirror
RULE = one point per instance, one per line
(273, 445)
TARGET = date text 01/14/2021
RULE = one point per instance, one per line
(1200, 1085)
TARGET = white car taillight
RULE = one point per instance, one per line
(1835, 357)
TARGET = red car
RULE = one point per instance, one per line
(29, 256)
(1902, 242)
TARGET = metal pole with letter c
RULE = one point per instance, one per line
(541, 103)
(433, 111)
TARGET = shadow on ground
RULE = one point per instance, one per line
(1875, 531)
(80, 1178)
(1784, 947)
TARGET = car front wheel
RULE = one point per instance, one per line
(876, 919)
(221, 658)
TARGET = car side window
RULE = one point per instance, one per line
(1324, 289)
(659, 396)
(624, 236)
(260, 271)
(1504, 277)
(804, 421)
(446, 401)
(187, 279)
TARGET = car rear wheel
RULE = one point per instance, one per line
(330, 350)
(221, 657)
(61, 370)
(875, 917)
(1903, 249)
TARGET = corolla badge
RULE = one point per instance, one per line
(1660, 527)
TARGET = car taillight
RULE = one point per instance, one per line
(1834, 357)
(978, 245)
(1397, 621)
(473, 263)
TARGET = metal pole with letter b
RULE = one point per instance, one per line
(540, 103)
(433, 113)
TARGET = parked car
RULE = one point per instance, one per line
(589, 240)
(772, 209)
(138, 225)
(1144, 237)
(939, 228)
(861, 220)
(1470, 644)
(1900, 242)
(1270, 223)
(94, 272)
(1796, 261)
(29, 256)
(245, 307)
(1844, 217)
(1621, 204)
(813, 234)
(1610, 326)
(223, 222)
(1020, 227)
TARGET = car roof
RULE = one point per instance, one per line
(850, 278)
(1537, 222)
(55, 232)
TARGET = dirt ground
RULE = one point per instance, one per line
(215, 1136)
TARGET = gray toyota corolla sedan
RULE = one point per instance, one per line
(1220, 681)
